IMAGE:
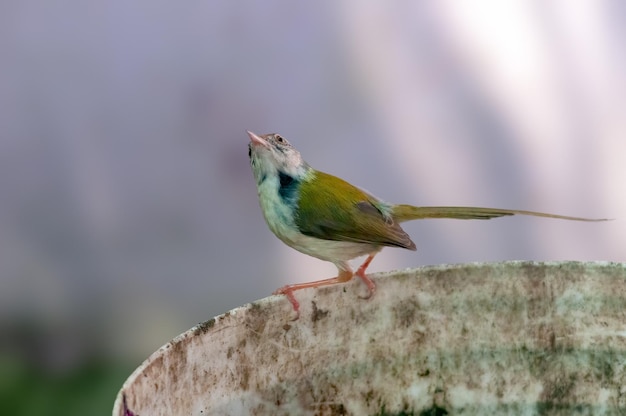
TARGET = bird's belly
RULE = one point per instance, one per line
(331, 250)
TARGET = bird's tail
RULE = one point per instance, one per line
(404, 212)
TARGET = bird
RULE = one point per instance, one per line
(328, 218)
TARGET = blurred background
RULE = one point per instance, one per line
(128, 211)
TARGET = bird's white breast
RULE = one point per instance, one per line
(278, 215)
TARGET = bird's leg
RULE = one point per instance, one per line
(343, 276)
(361, 273)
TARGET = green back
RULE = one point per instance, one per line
(332, 209)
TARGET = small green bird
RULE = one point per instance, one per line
(326, 217)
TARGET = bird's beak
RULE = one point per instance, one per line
(257, 139)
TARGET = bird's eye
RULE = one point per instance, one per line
(279, 139)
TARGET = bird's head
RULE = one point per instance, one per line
(271, 155)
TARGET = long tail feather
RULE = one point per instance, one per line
(409, 212)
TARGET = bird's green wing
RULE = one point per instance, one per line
(330, 208)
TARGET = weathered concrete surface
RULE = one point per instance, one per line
(508, 338)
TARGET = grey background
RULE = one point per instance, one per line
(128, 210)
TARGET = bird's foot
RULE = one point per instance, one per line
(288, 292)
(371, 286)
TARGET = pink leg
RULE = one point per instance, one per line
(344, 276)
(361, 273)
